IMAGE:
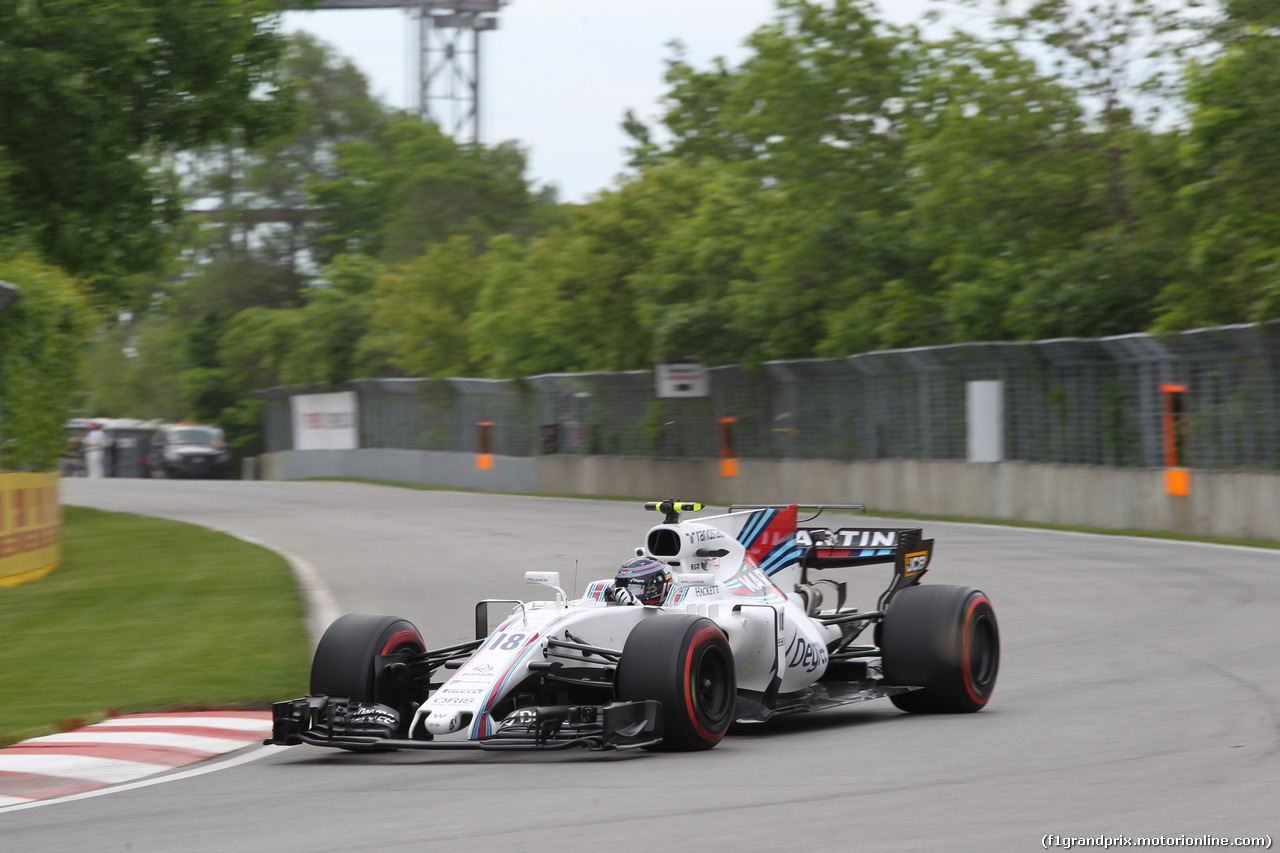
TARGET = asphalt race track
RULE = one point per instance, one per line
(1139, 695)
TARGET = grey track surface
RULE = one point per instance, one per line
(1139, 695)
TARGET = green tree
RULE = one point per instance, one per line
(1104, 70)
(809, 128)
(685, 294)
(254, 350)
(419, 311)
(263, 220)
(576, 298)
(133, 369)
(333, 343)
(409, 185)
(1233, 153)
(213, 334)
(322, 342)
(95, 95)
(517, 328)
(605, 300)
(1011, 187)
(592, 295)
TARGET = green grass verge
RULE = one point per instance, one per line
(998, 522)
(147, 615)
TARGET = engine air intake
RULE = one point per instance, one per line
(664, 542)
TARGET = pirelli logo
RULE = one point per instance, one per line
(30, 526)
(28, 540)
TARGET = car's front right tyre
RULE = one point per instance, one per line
(684, 662)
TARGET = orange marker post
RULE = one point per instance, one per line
(1177, 480)
(484, 453)
(728, 463)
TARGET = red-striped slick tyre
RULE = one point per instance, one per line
(345, 662)
(684, 662)
(945, 640)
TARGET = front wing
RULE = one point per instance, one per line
(344, 724)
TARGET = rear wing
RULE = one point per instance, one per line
(823, 548)
(826, 548)
(906, 548)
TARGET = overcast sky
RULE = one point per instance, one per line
(558, 75)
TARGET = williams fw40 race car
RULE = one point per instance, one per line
(740, 634)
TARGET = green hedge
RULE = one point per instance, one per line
(42, 337)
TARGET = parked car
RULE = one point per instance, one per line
(128, 446)
(188, 450)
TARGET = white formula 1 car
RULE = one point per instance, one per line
(741, 635)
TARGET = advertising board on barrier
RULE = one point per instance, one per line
(325, 421)
(30, 527)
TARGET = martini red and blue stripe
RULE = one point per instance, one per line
(481, 727)
(769, 535)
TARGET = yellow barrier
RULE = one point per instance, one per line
(30, 527)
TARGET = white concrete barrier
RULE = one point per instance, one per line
(1229, 504)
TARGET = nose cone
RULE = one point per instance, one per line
(446, 722)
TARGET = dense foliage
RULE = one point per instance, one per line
(1071, 170)
(93, 94)
(97, 103)
(42, 334)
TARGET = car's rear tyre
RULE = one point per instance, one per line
(346, 661)
(684, 662)
(945, 640)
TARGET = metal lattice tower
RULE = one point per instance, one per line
(448, 56)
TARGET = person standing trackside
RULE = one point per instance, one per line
(95, 446)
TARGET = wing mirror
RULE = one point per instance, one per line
(549, 579)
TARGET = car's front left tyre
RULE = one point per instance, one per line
(346, 662)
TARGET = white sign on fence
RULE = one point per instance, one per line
(681, 380)
(985, 415)
(325, 421)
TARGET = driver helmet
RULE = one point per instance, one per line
(645, 578)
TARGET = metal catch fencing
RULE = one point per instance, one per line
(1075, 401)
